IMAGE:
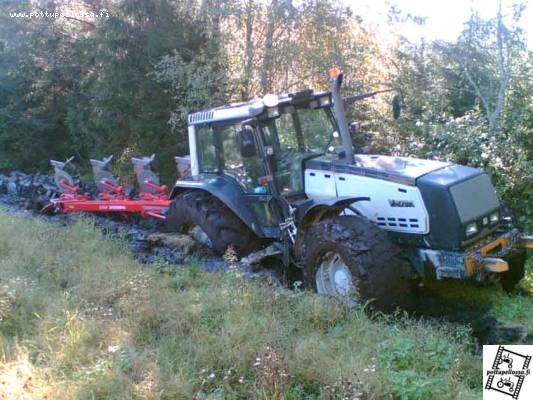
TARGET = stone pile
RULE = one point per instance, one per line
(29, 190)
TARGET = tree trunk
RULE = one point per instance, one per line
(266, 71)
(249, 51)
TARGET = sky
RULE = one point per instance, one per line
(445, 18)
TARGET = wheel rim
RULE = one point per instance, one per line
(333, 277)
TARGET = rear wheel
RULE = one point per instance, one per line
(220, 224)
(178, 216)
(350, 258)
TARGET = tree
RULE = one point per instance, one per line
(37, 68)
(488, 53)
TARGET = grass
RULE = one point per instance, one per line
(81, 319)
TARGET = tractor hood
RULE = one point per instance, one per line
(440, 198)
(398, 169)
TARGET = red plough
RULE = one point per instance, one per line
(151, 202)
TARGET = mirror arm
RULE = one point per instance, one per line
(357, 97)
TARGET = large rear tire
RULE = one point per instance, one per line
(220, 224)
(178, 216)
(350, 258)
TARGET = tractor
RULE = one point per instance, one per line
(282, 171)
(506, 382)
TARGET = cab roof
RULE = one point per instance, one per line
(253, 108)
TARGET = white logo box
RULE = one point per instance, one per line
(507, 372)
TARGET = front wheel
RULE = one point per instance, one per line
(350, 258)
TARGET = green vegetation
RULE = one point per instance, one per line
(122, 83)
(80, 319)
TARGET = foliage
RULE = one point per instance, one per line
(195, 85)
(470, 102)
(124, 83)
(122, 108)
(409, 361)
(89, 89)
(32, 99)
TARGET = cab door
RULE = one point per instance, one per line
(249, 171)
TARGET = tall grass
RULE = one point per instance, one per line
(80, 319)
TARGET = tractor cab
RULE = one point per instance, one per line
(294, 130)
(260, 149)
(263, 144)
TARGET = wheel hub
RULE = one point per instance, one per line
(333, 277)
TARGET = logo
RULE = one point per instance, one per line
(507, 372)
(401, 203)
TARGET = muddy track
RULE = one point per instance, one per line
(486, 329)
(23, 194)
(26, 194)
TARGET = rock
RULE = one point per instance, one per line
(258, 256)
(184, 243)
(200, 236)
(12, 188)
(140, 245)
(144, 258)
(169, 255)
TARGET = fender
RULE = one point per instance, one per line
(227, 191)
(315, 210)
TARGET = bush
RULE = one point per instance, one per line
(466, 140)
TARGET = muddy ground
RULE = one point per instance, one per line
(26, 194)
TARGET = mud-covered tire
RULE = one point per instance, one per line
(378, 273)
(178, 216)
(219, 223)
(516, 261)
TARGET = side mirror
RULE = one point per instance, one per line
(245, 137)
(397, 105)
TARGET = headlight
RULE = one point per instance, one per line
(471, 229)
(494, 217)
(485, 221)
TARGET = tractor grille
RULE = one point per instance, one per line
(474, 198)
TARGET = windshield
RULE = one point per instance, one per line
(296, 135)
(303, 130)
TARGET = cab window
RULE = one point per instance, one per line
(207, 154)
(246, 170)
(296, 135)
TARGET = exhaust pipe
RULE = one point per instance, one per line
(335, 75)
